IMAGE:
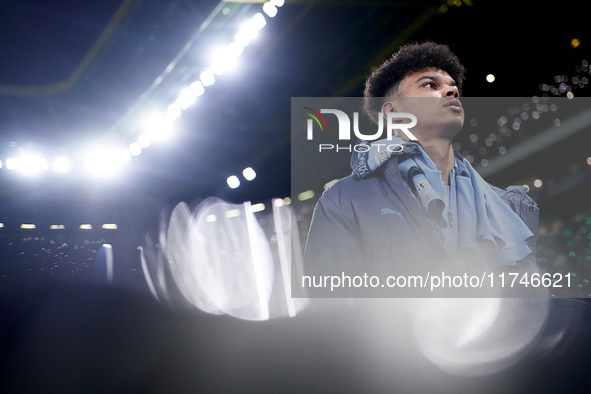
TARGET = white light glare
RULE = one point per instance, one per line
(144, 140)
(31, 164)
(197, 88)
(241, 39)
(135, 149)
(207, 78)
(270, 9)
(249, 174)
(124, 155)
(538, 183)
(260, 207)
(490, 78)
(157, 126)
(223, 59)
(173, 111)
(259, 21)
(11, 163)
(61, 164)
(233, 181)
(85, 227)
(249, 30)
(235, 49)
(103, 162)
(277, 3)
(185, 99)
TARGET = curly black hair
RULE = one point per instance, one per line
(408, 59)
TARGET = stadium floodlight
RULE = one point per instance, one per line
(249, 30)
(0, 163)
(235, 49)
(173, 111)
(85, 227)
(12, 163)
(233, 181)
(278, 202)
(30, 164)
(270, 9)
(144, 141)
(157, 126)
(57, 227)
(241, 39)
(135, 149)
(207, 78)
(103, 162)
(1, 225)
(61, 164)
(260, 207)
(277, 3)
(28, 226)
(197, 88)
(249, 174)
(185, 99)
(259, 21)
(44, 164)
(109, 226)
(124, 155)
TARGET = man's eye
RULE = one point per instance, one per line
(429, 85)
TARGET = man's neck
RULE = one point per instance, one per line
(441, 152)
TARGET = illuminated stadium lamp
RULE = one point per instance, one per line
(0, 163)
(270, 9)
(233, 181)
(249, 174)
(1, 225)
(260, 207)
(211, 218)
(308, 194)
(241, 39)
(57, 227)
(85, 227)
(277, 3)
(287, 201)
(538, 183)
(173, 111)
(11, 163)
(144, 141)
(102, 162)
(61, 164)
(185, 99)
(29, 164)
(259, 21)
(157, 126)
(589, 161)
(109, 226)
(490, 78)
(28, 226)
(197, 88)
(124, 155)
(44, 164)
(135, 149)
(249, 30)
(235, 49)
(207, 78)
(233, 213)
(278, 202)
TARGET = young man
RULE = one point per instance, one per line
(421, 206)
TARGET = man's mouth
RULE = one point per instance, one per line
(454, 105)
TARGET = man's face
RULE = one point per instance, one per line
(433, 97)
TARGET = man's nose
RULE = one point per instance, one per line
(451, 91)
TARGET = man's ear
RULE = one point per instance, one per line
(387, 107)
